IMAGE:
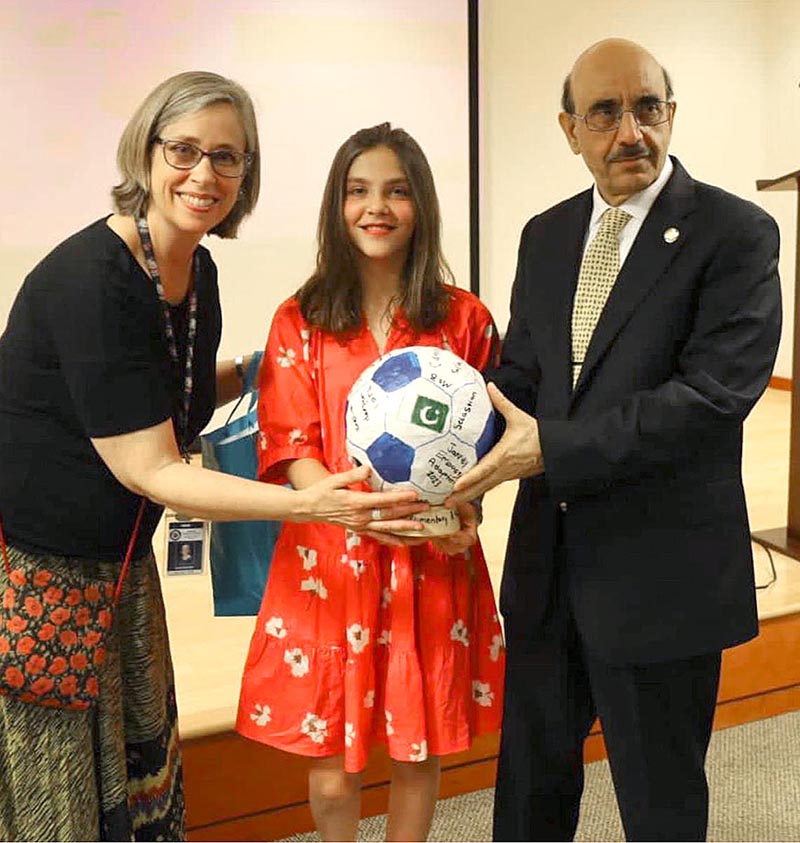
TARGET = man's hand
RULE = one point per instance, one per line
(517, 454)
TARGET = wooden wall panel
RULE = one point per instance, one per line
(766, 663)
(227, 776)
(777, 382)
(239, 790)
(292, 819)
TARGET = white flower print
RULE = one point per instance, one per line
(297, 661)
(351, 539)
(305, 336)
(482, 694)
(389, 728)
(349, 734)
(358, 566)
(489, 333)
(262, 715)
(385, 637)
(275, 628)
(419, 751)
(496, 647)
(369, 699)
(315, 728)
(286, 357)
(460, 633)
(297, 437)
(309, 557)
(317, 586)
(393, 578)
(262, 441)
(358, 637)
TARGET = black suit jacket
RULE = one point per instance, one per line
(642, 499)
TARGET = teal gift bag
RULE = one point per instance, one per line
(240, 551)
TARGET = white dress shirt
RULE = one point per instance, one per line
(638, 206)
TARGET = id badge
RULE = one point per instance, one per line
(185, 547)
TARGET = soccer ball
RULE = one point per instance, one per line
(420, 417)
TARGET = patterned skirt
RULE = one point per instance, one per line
(112, 772)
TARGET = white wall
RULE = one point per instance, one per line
(318, 70)
(782, 141)
(735, 67)
(73, 70)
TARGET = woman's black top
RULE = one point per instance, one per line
(85, 355)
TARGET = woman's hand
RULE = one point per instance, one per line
(148, 463)
(375, 512)
(465, 537)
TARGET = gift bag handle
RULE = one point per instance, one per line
(248, 385)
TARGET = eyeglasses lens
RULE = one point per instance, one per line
(185, 156)
(648, 113)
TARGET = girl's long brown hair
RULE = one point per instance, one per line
(331, 298)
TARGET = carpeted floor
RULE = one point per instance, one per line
(754, 777)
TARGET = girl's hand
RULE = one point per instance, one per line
(376, 512)
(394, 540)
(465, 537)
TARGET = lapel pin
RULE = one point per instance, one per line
(671, 234)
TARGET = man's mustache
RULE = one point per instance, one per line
(625, 153)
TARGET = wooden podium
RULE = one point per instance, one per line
(786, 539)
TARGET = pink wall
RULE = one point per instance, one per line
(73, 71)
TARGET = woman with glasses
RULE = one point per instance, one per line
(107, 374)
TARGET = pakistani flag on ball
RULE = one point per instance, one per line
(420, 417)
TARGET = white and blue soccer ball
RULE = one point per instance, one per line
(420, 417)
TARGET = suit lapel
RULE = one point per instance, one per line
(651, 254)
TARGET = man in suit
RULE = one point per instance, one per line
(645, 319)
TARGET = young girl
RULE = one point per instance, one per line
(367, 638)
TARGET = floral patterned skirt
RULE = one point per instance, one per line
(112, 772)
(358, 643)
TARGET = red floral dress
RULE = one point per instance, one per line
(357, 642)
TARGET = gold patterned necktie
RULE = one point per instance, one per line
(599, 270)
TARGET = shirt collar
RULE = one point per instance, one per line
(637, 205)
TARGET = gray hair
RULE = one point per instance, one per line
(177, 96)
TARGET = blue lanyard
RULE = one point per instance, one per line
(191, 331)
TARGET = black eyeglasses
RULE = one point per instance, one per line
(607, 117)
(185, 156)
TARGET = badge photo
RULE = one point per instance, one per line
(185, 547)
